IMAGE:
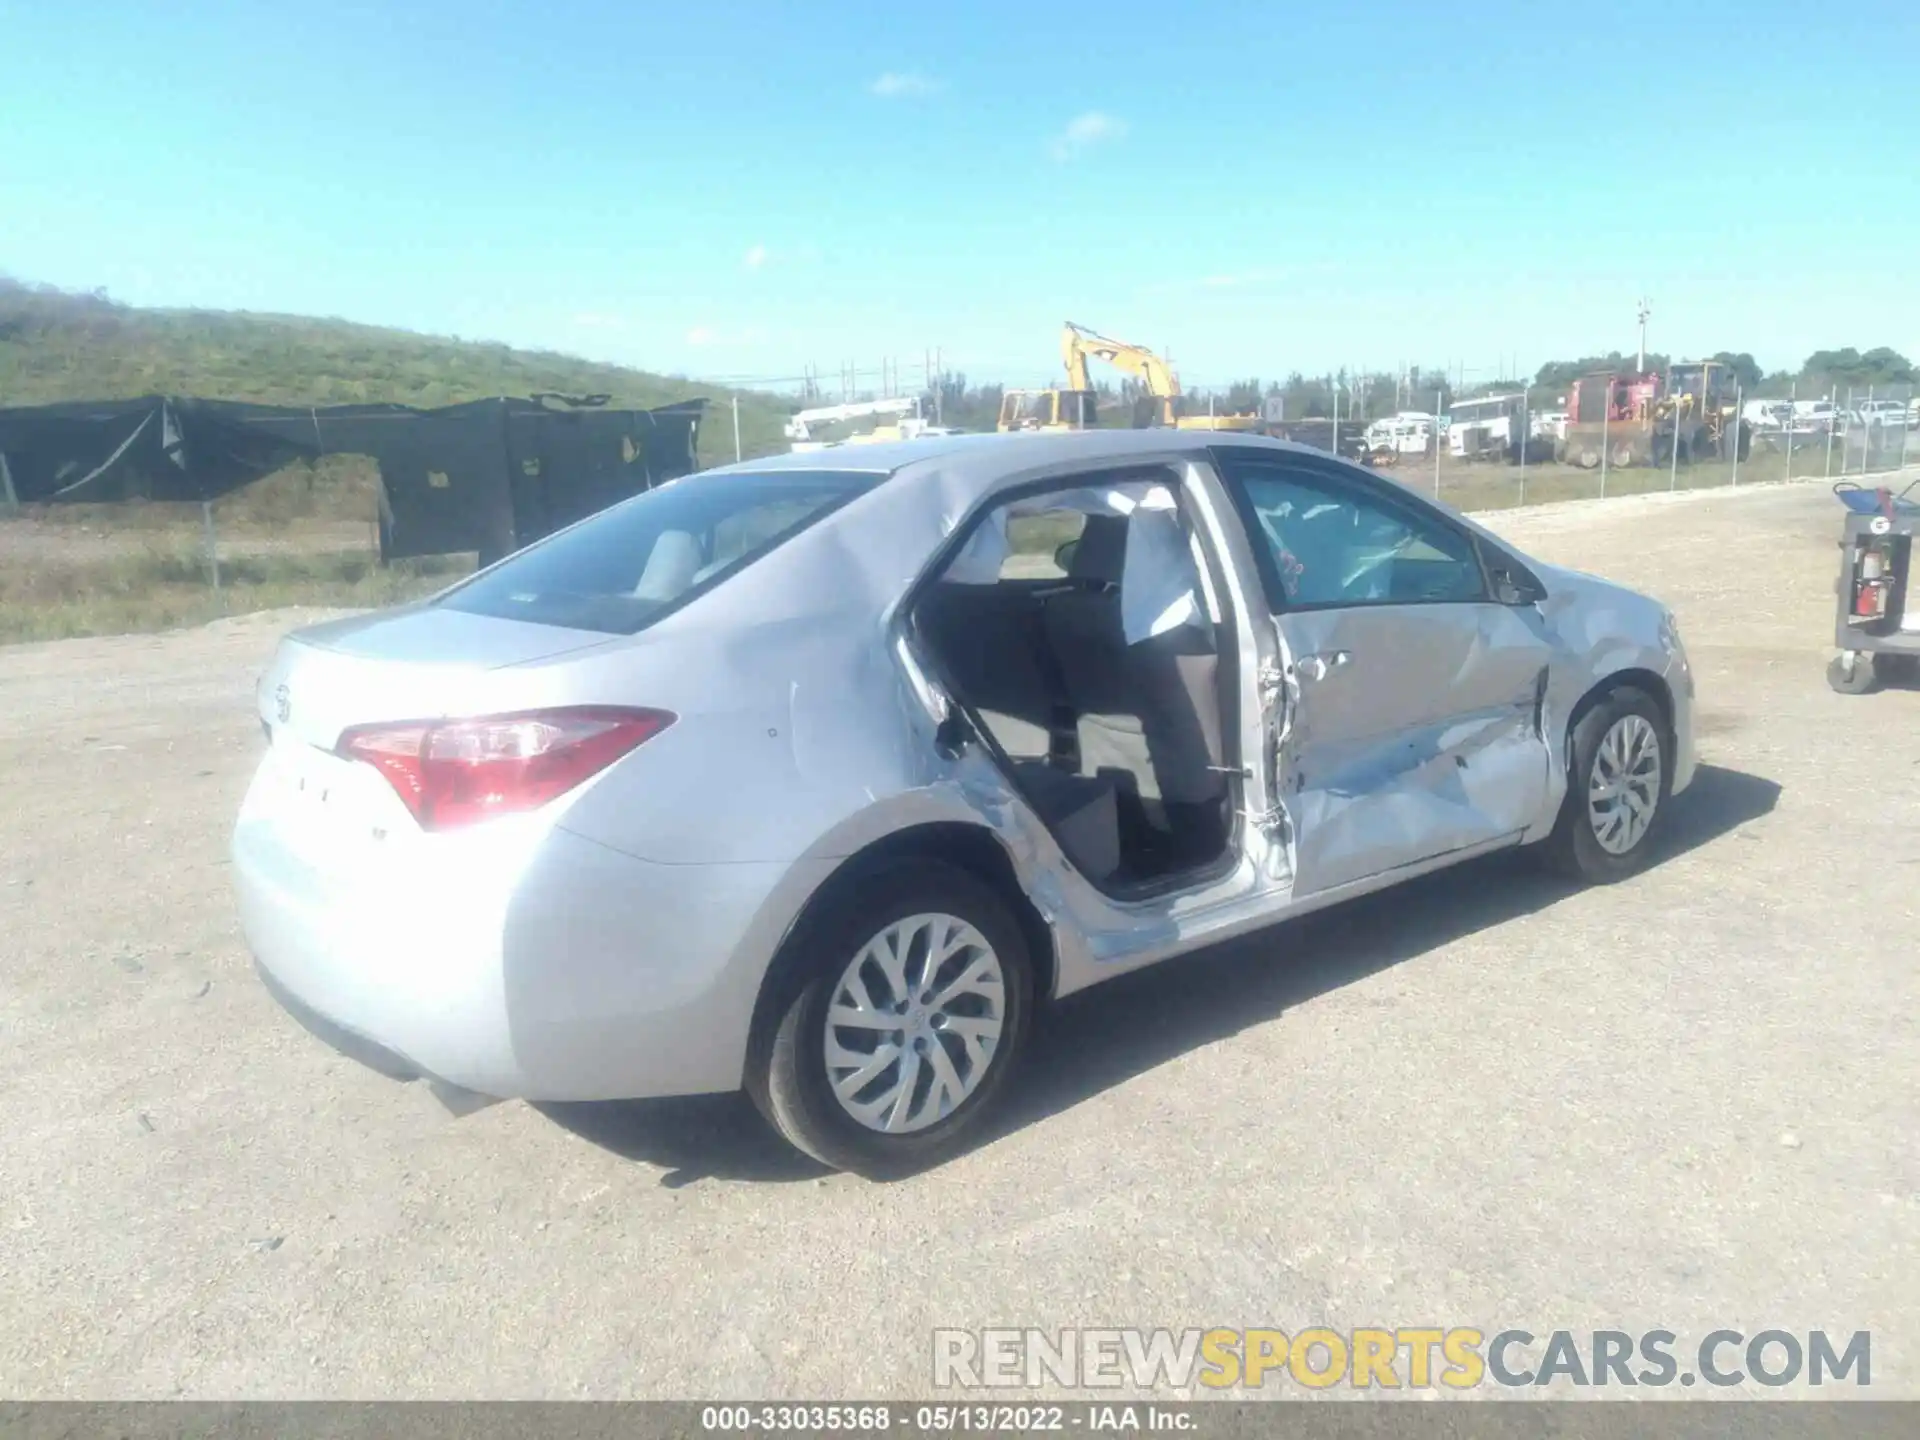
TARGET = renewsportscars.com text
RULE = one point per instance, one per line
(1406, 1357)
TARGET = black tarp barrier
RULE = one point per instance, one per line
(488, 476)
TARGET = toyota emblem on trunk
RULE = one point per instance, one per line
(283, 704)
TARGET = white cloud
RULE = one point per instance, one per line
(896, 85)
(1095, 127)
(700, 335)
(755, 257)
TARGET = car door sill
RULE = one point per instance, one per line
(1381, 879)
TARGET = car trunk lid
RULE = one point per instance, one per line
(422, 663)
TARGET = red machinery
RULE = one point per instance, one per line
(1612, 414)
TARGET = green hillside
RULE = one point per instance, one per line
(60, 346)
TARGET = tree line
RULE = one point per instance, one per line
(1372, 395)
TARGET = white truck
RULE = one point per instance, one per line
(1487, 428)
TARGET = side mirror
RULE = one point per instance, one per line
(1512, 589)
(951, 736)
(1063, 557)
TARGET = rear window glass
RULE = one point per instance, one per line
(629, 565)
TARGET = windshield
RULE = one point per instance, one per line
(1687, 379)
(627, 566)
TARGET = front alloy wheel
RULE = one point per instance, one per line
(1623, 786)
(1618, 782)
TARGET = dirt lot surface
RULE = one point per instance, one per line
(1688, 1102)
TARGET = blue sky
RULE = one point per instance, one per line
(739, 189)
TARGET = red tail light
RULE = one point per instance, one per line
(454, 772)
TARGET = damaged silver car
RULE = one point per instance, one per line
(815, 775)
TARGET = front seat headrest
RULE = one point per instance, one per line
(670, 567)
(1101, 554)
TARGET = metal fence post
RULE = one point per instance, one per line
(1673, 472)
(7, 491)
(1526, 400)
(1846, 440)
(1827, 473)
(1437, 440)
(1739, 422)
(1866, 432)
(1793, 400)
(1606, 414)
(736, 429)
(213, 543)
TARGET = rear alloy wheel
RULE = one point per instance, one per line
(911, 1006)
(1617, 787)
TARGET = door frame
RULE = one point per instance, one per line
(1177, 471)
(1506, 582)
(1493, 559)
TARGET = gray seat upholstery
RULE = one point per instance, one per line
(1152, 708)
(1176, 676)
(1082, 813)
(988, 639)
(1084, 629)
(671, 566)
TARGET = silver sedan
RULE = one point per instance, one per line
(816, 775)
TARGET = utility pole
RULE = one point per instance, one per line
(1645, 311)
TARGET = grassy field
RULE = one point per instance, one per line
(166, 583)
(302, 536)
(60, 346)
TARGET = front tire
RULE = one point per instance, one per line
(1619, 782)
(907, 1007)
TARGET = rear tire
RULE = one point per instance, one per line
(928, 1085)
(1619, 783)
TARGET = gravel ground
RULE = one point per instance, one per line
(1686, 1102)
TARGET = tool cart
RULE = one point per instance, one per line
(1878, 625)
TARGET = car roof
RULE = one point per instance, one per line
(981, 462)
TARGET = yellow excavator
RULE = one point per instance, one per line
(1073, 408)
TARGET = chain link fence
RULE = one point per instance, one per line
(1625, 436)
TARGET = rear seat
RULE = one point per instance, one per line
(988, 640)
(1083, 627)
(1151, 707)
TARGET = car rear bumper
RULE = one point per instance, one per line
(516, 961)
(367, 1052)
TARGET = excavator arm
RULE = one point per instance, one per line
(1079, 345)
